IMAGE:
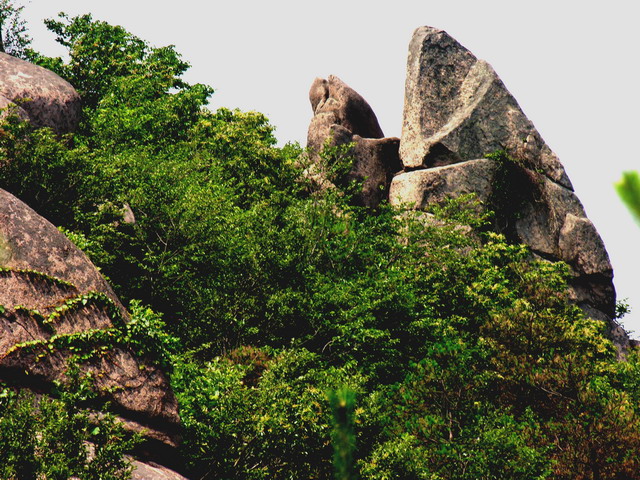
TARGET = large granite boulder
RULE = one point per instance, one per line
(55, 306)
(456, 108)
(39, 95)
(457, 111)
(343, 117)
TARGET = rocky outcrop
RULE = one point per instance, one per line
(55, 306)
(38, 95)
(457, 110)
(546, 216)
(343, 117)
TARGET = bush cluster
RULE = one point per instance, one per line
(59, 438)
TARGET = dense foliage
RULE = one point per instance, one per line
(456, 353)
(46, 438)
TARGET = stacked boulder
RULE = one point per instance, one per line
(343, 117)
(456, 112)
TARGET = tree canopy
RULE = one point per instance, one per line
(14, 38)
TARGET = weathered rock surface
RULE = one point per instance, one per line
(545, 216)
(29, 242)
(333, 97)
(580, 245)
(342, 117)
(419, 188)
(47, 99)
(53, 299)
(457, 108)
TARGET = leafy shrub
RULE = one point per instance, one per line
(58, 439)
(279, 428)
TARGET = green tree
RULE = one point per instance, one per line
(14, 38)
(124, 83)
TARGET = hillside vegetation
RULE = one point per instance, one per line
(292, 321)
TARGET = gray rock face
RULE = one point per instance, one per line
(45, 98)
(50, 292)
(456, 109)
(419, 188)
(579, 244)
(342, 117)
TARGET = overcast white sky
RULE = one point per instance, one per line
(572, 65)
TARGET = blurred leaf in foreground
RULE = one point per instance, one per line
(629, 190)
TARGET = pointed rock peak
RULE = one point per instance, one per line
(457, 103)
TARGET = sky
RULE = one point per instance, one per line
(573, 66)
